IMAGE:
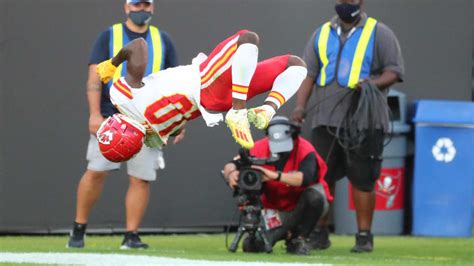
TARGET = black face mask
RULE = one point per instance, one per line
(140, 18)
(348, 12)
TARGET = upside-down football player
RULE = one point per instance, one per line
(158, 106)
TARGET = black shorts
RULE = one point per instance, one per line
(361, 165)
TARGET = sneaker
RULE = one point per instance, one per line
(298, 246)
(260, 116)
(76, 236)
(76, 239)
(132, 241)
(364, 242)
(238, 124)
(253, 245)
(319, 238)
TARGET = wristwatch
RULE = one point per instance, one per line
(279, 176)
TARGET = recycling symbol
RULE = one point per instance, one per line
(444, 150)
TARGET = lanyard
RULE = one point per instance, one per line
(348, 35)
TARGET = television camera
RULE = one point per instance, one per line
(248, 191)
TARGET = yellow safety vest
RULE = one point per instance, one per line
(351, 61)
(155, 49)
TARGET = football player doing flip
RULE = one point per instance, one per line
(222, 82)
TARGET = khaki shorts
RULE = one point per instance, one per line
(142, 166)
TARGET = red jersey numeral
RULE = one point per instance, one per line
(171, 112)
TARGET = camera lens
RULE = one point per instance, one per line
(250, 178)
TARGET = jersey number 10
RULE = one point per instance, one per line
(171, 112)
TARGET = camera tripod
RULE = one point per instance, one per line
(250, 223)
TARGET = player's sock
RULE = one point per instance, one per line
(244, 63)
(286, 85)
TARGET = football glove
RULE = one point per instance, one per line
(106, 70)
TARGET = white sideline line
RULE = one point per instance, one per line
(118, 259)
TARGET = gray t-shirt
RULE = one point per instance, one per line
(331, 105)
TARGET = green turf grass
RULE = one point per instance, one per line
(388, 250)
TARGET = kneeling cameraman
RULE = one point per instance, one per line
(294, 193)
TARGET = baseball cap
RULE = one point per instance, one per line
(139, 1)
(279, 135)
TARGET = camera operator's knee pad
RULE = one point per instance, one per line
(314, 207)
(313, 198)
(319, 196)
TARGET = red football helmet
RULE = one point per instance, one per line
(120, 138)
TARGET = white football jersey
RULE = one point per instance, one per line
(166, 101)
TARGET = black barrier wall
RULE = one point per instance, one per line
(44, 49)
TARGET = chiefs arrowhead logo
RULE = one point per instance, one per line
(106, 137)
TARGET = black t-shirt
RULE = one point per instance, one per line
(308, 167)
(100, 53)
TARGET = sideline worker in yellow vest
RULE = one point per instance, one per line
(348, 50)
(142, 168)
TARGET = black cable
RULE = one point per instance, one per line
(369, 103)
(233, 215)
(324, 99)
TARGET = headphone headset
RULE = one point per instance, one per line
(294, 130)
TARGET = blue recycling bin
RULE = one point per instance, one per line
(444, 169)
